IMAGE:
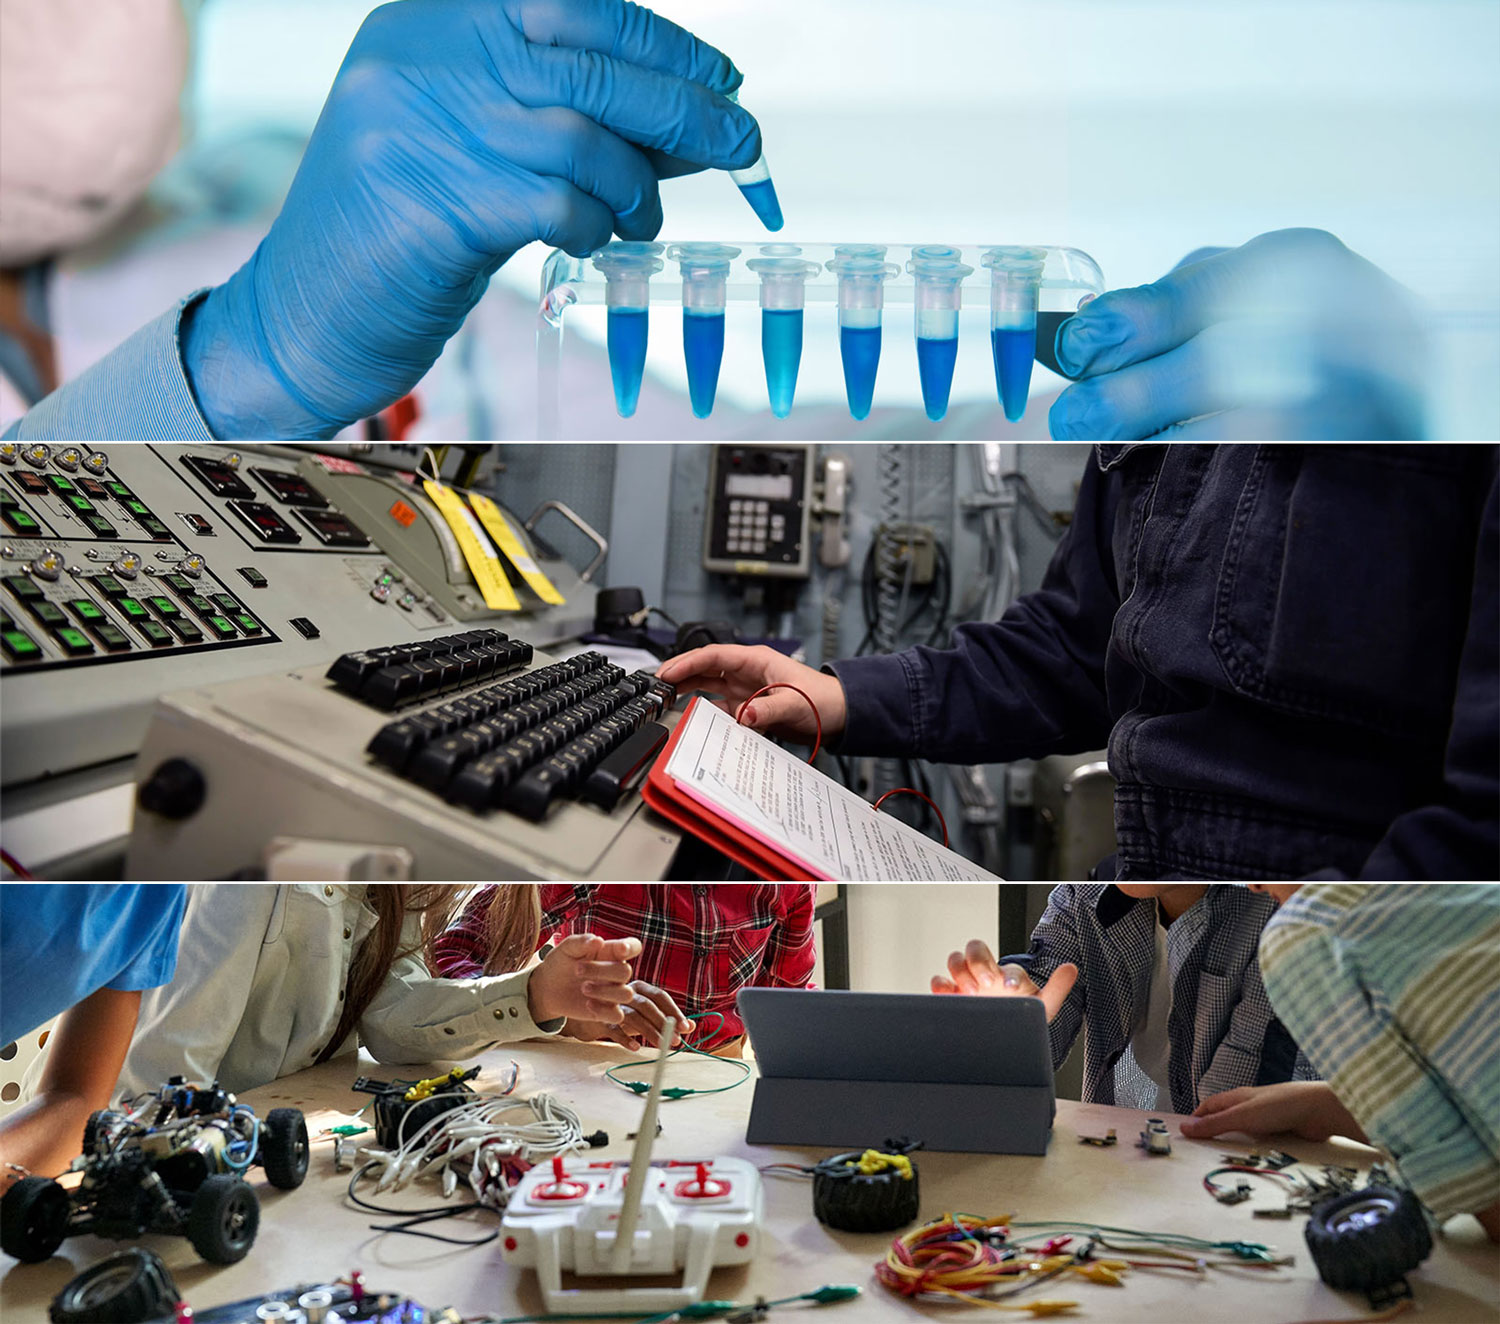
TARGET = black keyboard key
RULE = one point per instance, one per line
(534, 793)
(391, 684)
(623, 767)
(351, 671)
(397, 743)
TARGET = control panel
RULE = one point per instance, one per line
(133, 570)
(758, 511)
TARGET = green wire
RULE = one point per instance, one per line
(1244, 1250)
(680, 1091)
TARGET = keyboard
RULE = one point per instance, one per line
(580, 727)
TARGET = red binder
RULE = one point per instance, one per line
(661, 792)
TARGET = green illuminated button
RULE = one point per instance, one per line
(112, 637)
(183, 628)
(19, 647)
(61, 485)
(119, 490)
(19, 521)
(247, 623)
(222, 628)
(48, 613)
(226, 603)
(132, 609)
(74, 642)
(22, 587)
(86, 611)
(110, 586)
(200, 604)
(164, 607)
(80, 503)
(136, 507)
(157, 634)
(155, 528)
(99, 526)
(180, 582)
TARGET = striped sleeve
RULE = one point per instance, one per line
(1393, 992)
(139, 390)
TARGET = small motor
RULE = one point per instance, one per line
(866, 1191)
(1368, 1241)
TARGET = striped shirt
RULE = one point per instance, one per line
(1221, 1030)
(1393, 991)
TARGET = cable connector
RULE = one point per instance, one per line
(597, 1140)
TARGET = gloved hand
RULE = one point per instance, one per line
(456, 132)
(1289, 336)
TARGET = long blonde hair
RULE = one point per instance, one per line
(512, 922)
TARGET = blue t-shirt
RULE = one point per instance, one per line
(61, 942)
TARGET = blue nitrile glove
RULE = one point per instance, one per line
(456, 132)
(1289, 336)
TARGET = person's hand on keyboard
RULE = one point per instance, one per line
(735, 672)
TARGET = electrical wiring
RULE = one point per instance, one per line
(932, 804)
(739, 712)
(16, 867)
(682, 1091)
(498, 1154)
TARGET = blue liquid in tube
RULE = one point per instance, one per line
(935, 360)
(626, 338)
(1014, 350)
(762, 198)
(703, 348)
(860, 347)
(781, 347)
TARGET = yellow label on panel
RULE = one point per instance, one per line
(507, 540)
(485, 565)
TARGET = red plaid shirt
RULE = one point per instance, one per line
(701, 942)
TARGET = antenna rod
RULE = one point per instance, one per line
(640, 1157)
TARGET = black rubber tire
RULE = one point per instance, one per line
(858, 1202)
(34, 1219)
(1368, 1239)
(284, 1148)
(128, 1288)
(223, 1219)
(99, 1122)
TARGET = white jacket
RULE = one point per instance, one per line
(261, 970)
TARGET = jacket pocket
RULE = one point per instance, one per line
(1343, 591)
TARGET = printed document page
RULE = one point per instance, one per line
(778, 798)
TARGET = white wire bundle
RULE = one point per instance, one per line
(475, 1131)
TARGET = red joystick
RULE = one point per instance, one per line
(560, 1188)
(702, 1187)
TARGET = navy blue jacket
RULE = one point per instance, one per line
(1290, 651)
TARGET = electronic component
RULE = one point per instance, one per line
(265, 523)
(869, 1191)
(402, 1109)
(1155, 1139)
(331, 529)
(1368, 1241)
(1104, 1141)
(291, 489)
(219, 476)
(304, 627)
(172, 1164)
(639, 1219)
(197, 523)
(252, 576)
(758, 511)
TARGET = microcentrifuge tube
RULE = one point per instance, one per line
(628, 267)
(862, 275)
(937, 295)
(1015, 282)
(755, 183)
(705, 270)
(783, 280)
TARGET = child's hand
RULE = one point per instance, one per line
(644, 1017)
(1306, 1108)
(975, 971)
(584, 978)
